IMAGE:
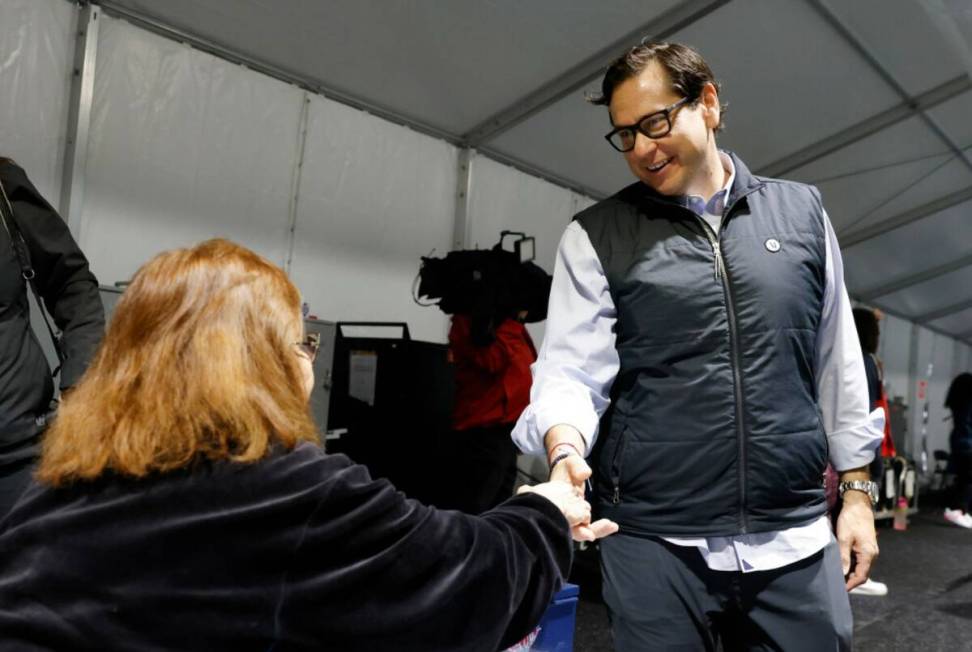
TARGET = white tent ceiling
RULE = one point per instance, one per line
(870, 100)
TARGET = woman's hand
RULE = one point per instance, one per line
(575, 509)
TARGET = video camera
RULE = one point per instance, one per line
(488, 284)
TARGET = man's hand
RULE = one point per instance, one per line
(574, 471)
(561, 440)
(565, 443)
(856, 537)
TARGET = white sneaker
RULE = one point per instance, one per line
(958, 517)
(870, 587)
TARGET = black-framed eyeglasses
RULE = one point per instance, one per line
(654, 125)
(310, 345)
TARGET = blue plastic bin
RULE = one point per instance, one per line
(557, 626)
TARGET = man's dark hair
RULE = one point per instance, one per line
(686, 68)
(867, 329)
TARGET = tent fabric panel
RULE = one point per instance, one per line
(909, 141)
(183, 147)
(504, 198)
(909, 249)
(857, 181)
(893, 349)
(579, 150)
(788, 77)
(959, 323)
(952, 176)
(928, 296)
(448, 68)
(953, 117)
(374, 198)
(37, 54)
(892, 32)
(756, 49)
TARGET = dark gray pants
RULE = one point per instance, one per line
(663, 597)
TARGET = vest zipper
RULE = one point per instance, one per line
(720, 268)
(616, 468)
(722, 275)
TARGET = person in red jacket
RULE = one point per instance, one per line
(492, 373)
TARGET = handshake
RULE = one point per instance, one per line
(566, 490)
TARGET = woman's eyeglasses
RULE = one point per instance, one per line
(310, 345)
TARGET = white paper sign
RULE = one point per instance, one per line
(363, 372)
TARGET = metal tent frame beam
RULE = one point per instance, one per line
(885, 75)
(71, 201)
(849, 239)
(906, 109)
(943, 312)
(672, 21)
(915, 279)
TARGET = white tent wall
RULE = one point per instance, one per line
(36, 51)
(894, 350)
(948, 356)
(183, 147)
(374, 198)
(503, 198)
(939, 352)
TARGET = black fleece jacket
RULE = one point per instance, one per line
(299, 551)
(70, 293)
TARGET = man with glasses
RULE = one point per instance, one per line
(700, 349)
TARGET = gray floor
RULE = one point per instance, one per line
(928, 570)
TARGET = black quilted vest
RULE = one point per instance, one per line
(714, 427)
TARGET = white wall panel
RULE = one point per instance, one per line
(36, 53)
(939, 351)
(183, 147)
(503, 198)
(948, 358)
(893, 349)
(374, 199)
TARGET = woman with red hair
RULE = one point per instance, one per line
(183, 501)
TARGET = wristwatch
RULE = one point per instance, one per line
(867, 486)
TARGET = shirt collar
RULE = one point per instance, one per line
(717, 202)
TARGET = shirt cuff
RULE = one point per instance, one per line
(534, 423)
(584, 421)
(855, 447)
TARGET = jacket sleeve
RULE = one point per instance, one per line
(67, 286)
(377, 571)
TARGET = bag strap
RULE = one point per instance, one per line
(26, 269)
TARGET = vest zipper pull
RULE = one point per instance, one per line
(718, 260)
(616, 498)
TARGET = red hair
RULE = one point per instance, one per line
(198, 362)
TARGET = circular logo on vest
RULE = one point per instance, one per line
(772, 245)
